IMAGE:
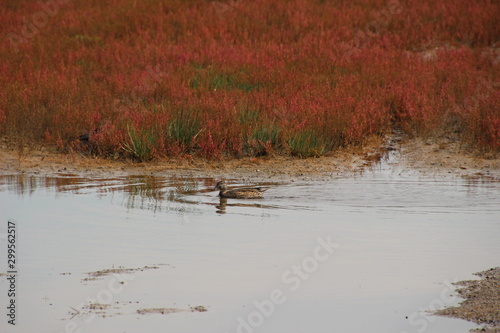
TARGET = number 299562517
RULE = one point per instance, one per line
(11, 245)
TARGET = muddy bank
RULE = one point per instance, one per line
(438, 157)
(482, 301)
(446, 156)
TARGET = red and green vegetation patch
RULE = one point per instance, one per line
(146, 79)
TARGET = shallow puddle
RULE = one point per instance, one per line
(369, 253)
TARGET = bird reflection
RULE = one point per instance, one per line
(221, 207)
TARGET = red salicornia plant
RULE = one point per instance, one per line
(142, 79)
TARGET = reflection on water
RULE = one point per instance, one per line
(401, 237)
(148, 186)
(140, 192)
(221, 207)
(224, 203)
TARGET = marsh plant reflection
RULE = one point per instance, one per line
(181, 195)
(139, 192)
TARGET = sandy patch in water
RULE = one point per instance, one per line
(122, 307)
(482, 301)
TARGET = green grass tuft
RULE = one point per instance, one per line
(185, 128)
(306, 144)
(141, 144)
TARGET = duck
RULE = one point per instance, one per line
(239, 193)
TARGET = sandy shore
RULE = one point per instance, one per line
(482, 301)
(446, 157)
(443, 158)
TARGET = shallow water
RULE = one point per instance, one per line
(369, 253)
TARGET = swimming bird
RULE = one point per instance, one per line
(239, 193)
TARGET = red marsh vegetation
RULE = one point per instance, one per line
(143, 79)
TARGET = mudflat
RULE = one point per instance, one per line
(436, 157)
(482, 301)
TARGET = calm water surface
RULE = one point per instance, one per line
(369, 253)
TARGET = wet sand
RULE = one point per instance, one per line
(482, 301)
(443, 157)
(446, 156)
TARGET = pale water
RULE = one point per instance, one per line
(368, 253)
